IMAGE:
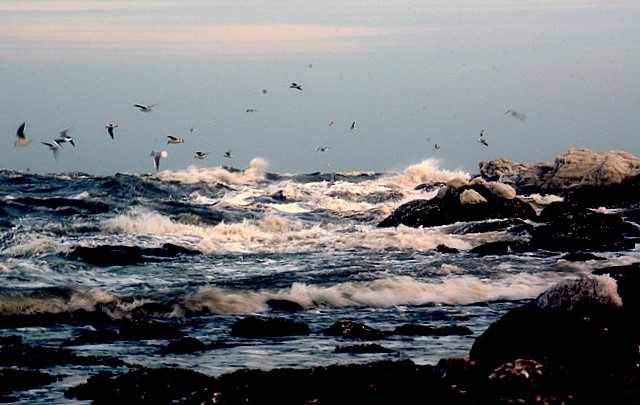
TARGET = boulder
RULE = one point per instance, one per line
(577, 322)
(576, 168)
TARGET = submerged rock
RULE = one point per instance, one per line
(122, 255)
(257, 327)
(354, 330)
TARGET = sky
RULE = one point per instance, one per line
(411, 74)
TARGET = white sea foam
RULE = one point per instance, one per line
(427, 171)
(255, 172)
(386, 292)
(76, 299)
(34, 246)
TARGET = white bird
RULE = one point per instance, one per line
(332, 123)
(65, 137)
(516, 114)
(436, 147)
(296, 86)
(201, 155)
(353, 126)
(228, 154)
(53, 147)
(110, 128)
(173, 139)
(482, 140)
(21, 139)
(323, 148)
(251, 110)
(157, 156)
(145, 108)
(192, 130)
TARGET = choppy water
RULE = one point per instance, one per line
(308, 238)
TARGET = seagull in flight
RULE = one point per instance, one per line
(436, 147)
(353, 126)
(157, 156)
(251, 110)
(482, 140)
(145, 108)
(173, 139)
(201, 155)
(296, 86)
(110, 128)
(516, 114)
(65, 137)
(21, 139)
(53, 147)
(323, 148)
(228, 154)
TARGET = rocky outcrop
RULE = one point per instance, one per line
(578, 167)
(461, 201)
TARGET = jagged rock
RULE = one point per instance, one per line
(12, 380)
(573, 228)
(628, 279)
(502, 248)
(578, 167)
(354, 330)
(257, 327)
(462, 203)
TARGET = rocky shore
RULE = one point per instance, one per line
(576, 343)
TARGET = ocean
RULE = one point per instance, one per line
(307, 238)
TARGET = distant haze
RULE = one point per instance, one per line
(409, 73)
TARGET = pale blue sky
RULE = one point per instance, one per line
(410, 73)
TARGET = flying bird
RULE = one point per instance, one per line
(53, 147)
(201, 155)
(173, 139)
(482, 140)
(332, 123)
(228, 154)
(323, 148)
(436, 147)
(145, 108)
(157, 156)
(251, 110)
(516, 114)
(110, 128)
(21, 139)
(65, 137)
(296, 86)
(353, 126)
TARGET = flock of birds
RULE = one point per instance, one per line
(63, 136)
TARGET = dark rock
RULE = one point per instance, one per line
(363, 349)
(148, 330)
(425, 330)
(284, 305)
(121, 255)
(92, 337)
(427, 187)
(448, 209)
(14, 353)
(145, 386)
(354, 330)
(257, 327)
(446, 249)
(191, 345)
(577, 322)
(511, 224)
(628, 279)
(572, 229)
(12, 380)
(502, 248)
